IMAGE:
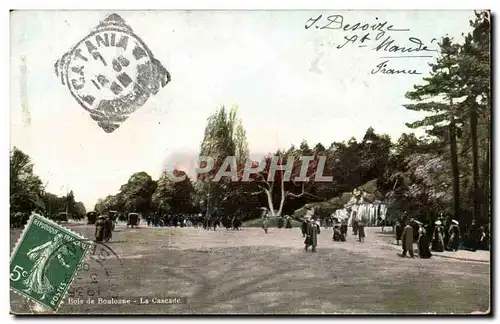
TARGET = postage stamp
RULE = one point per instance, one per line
(111, 73)
(45, 261)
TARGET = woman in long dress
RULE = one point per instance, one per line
(437, 240)
(423, 244)
(42, 256)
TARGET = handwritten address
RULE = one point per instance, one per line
(377, 37)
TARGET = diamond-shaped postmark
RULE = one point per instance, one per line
(111, 73)
(45, 261)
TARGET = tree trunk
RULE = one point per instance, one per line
(486, 180)
(454, 165)
(475, 167)
(283, 197)
(269, 201)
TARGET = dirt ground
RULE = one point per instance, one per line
(247, 271)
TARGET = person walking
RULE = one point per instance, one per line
(423, 243)
(407, 239)
(437, 244)
(343, 227)
(312, 235)
(265, 219)
(361, 231)
(355, 224)
(308, 216)
(454, 234)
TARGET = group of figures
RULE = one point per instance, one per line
(104, 227)
(311, 227)
(208, 222)
(233, 223)
(443, 237)
(285, 221)
(167, 220)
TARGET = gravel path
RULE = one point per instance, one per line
(248, 271)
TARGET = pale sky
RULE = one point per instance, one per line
(289, 83)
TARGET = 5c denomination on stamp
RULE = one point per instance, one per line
(45, 261)
(111, 73)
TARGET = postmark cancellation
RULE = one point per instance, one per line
(111, 73)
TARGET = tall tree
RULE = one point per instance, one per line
(437, 97)
(137, 193)
(173, 197)
(70, 203)
(475, 68)
(26, 188)
(224, 136)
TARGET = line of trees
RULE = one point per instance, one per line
(28, 194)
(446, 171)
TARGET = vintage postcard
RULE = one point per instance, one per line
(250, 162)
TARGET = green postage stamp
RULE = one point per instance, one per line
(45, 260)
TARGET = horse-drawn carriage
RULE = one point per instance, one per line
(91, 217)
(133, 220)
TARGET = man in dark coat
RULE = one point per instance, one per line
(473, 237)
(312, 235)
(99, 228)
(407, 239)
(338, 236)
(483, 241)
(307, 217)
(108, 229)
(343, 228)
(236, 223)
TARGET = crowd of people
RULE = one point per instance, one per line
(439, 237)
(208, 222)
